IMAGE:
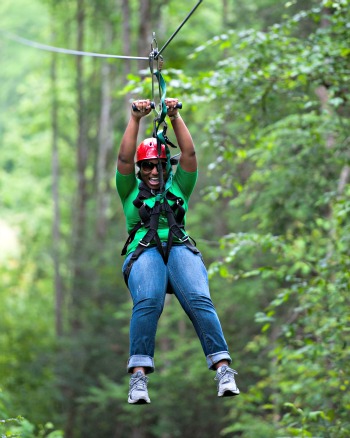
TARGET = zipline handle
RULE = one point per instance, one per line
(177, 30)
(134, 107)
(178, 105)
(153, 106)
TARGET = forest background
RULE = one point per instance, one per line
(265, 92)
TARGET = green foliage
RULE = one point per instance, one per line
(289, 159)
(266, 97)
(20, 427)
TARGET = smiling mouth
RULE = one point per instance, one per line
(154, 181)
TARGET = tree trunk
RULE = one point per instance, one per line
(225, 14)
(126, 38)
(82, 157)
(79, 216)
(343, 179)
(323, 95)
(105, 144)
(56, 238)
(144, 33)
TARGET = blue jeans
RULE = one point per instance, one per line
(148, 282)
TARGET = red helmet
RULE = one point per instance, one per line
(148, 150)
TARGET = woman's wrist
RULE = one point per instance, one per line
(175, 116)
(135, 118)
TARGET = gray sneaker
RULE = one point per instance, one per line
(138, 393)
(226, 382)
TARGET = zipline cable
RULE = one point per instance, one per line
(40, 46)
(48, 48)
(178, 29)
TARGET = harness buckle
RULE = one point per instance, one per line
(145, 244)
(185, 238)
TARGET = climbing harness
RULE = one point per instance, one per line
(149, 218)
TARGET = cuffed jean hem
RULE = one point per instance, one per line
(139, 360)
(214, 358)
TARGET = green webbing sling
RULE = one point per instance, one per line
(160, 134)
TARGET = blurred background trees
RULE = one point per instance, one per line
(265, 88)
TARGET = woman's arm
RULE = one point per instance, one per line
(128, 143)
(188, 160)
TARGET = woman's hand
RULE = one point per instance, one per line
(171, 106)
(140, 108)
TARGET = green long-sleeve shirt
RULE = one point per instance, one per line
(128, 187)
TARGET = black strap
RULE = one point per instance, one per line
(149, 218)
(131, 237)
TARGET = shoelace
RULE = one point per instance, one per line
(139, 383)
(226, 370)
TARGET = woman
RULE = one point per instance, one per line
(157, 259)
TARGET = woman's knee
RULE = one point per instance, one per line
(148, 306)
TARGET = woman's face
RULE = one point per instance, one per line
(149, 173)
